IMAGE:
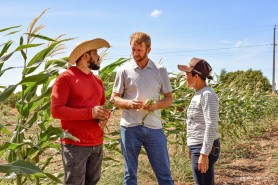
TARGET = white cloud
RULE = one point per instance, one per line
(241, 43)
(226, 42)
(156, 13)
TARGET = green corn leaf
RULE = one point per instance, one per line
(10, 146)
(12, 32)
(3, 71)
(25, 111)
(47, 162)
(110, 159)
(9, 28)
(111, 67)
(34, 78)
(45, 106)
(41, 37)
(7, 92)
(56, 62)
(51, 131)
(40, 57)
(25, 46)
(23, 54)
(69, 136)
(6, 47)
(109, 104)
(32, 68)
(52, 177)
(44, 94)
(21, 40)
(32, 120)
(11, 157)
(34, 105)
(4, 58)
(3, 148)
(20, 167)
(31, 90)
(34, 152)
(53, 145)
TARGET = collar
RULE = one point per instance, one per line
(150, 64)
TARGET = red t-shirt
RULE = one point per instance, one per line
(74, 94)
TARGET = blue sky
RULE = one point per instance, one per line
(231, 35)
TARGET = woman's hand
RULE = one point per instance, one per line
(203, 163)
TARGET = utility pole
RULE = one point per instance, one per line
(273, 72)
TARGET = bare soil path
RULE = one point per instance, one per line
(257, 162)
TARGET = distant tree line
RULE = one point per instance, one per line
(250, 80)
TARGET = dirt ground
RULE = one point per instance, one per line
(253, 162)
(258, 163)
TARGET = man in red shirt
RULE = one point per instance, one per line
(77, 99)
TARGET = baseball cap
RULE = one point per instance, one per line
(199, 66)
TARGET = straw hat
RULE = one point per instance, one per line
(85, 46)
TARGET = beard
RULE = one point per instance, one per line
(139, 58)
(92, 65)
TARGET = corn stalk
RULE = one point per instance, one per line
(26, 145)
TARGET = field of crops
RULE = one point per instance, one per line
(29, 147)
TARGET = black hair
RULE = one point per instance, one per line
(78, 59)
(88, 52)
(193, 74)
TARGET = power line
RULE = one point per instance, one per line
(213, 49)
(212, 29)
(209, 49)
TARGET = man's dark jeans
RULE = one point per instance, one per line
(82, 164)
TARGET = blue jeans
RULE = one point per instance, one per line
(155, 143)
(82, 164)
(208, 177)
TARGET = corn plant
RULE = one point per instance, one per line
(241, 109)
(107, 75)
(27, 144)
(175, 116)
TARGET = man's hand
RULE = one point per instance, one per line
(150, 105)
(135, 104)
(101, 113)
